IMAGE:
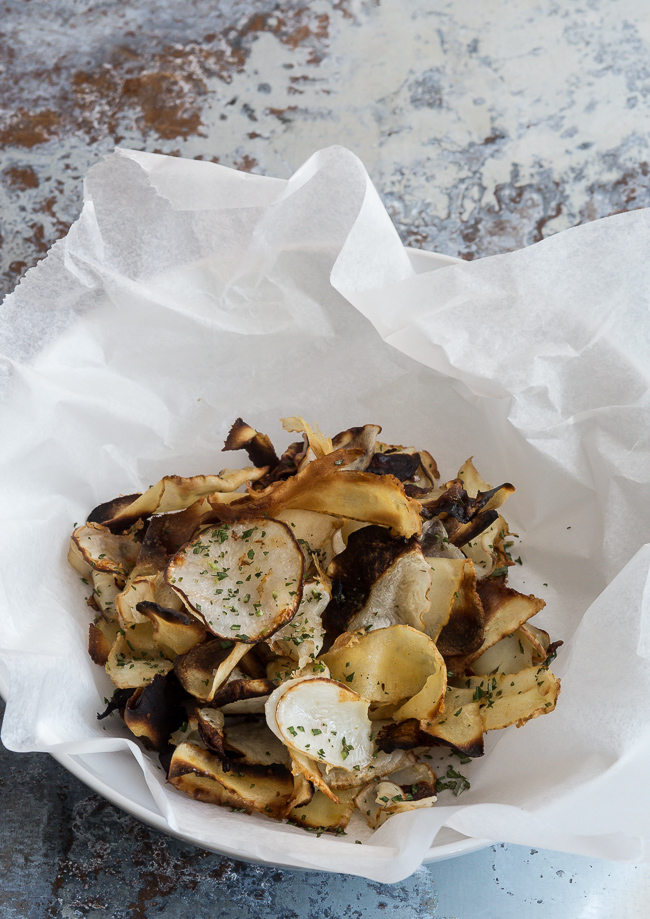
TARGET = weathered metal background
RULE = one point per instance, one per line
(485, 127)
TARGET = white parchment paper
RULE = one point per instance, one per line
(188, 294)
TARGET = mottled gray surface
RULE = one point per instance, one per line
(485, 127)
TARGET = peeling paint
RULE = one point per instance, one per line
(481, 136)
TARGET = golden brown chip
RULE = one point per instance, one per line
(101, 638)
(395, 664)
(325, 485)
(322, 813)
(258, 446)
(202, 776)
(514, 698)
(505, 610)
(173, 630)
(204, 668)
(459, 725)
(174, 493)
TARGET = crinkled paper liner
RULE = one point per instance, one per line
(188, 294)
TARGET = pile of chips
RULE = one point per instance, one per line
(290, 637)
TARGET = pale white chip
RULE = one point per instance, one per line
(323, 720)
(302, 638)
(244, 579)
(105, 590)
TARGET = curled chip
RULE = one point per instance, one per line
(323, 720)
(397, 664)
(293, 637)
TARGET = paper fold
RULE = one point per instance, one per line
(187, 295)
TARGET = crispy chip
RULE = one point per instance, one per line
(244, 579)
(201, 775)
(395, 664)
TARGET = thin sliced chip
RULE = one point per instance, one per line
(321, 813)
(105, 590)
(254, 743)
(361, 437)
(399, 596)
(455, 616)
(137, 590)
(134, 659)
(175, 493)
(426, 703)
(327, 486)
(510, 654)
(475, 486)
(173, 630)
(201, 775)
(302, 638)
(370, 553)
(210, 726)
(464, 631)
(102, 636)
(460, 724)
(314, 533)
(258, 446)
(318, 443)
(155, 711)
(515, 698)
(391, 665)
(382, 764)
(238, 690)
(305, 766)
(446, 577)
(486, 549)
(539, 640)
(100, 549)
(505, 610)
(322, 719)
(409, 788)
(244, 579)
(204, 668)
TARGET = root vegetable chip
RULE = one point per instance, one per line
(322, 719)
(244, 579)
(302, 630)
(202, 776)
(93, 546)
(395, 664)
(302, 638)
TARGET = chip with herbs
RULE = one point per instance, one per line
(295, 637)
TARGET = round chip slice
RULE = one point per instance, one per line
(323, 720)
(244, 579)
